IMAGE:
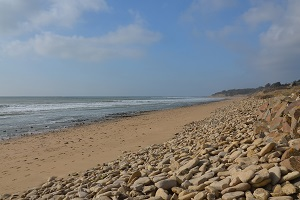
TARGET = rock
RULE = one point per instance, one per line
(260, 176)
(82, 194)
(268, 148)
(192, 163)
(143, 181)
(103, 198)
(281, 198)
(197, 187)
(148, 189)
(163, 194)
(289, 153)
(249, 196)
(51, 178)
(249, 160)
(166, 184)
(290, 176)
(246, 175)
(276, 123)
(233, 195)
(187, 196)
(234, 155)
(295, 144)
(275, 175)
(203, 178)
(239, 187)
(134, 176)
(186, 184)
(262, 184)
(200, 195)
(261, 194)
(289, 189)
(293, 163)
(221, 185)
(177, 190)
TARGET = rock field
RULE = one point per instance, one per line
(248, 150)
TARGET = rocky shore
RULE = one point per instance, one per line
(248, 150)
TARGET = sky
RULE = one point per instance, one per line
(146, 48)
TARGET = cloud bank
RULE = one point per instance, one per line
(39, 19)
(275, 25)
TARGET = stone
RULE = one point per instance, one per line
(246, 175)
(143, 181)
(239, 187)
(176, 190)
(275, 175)
(262, 184)
(197, 187)
(249, 160)
(233, 195)
(221, 185)
(235, 180)
(200, 195)
(261, 194)
(166, 184)
(289, 153)
(234, 155)
(268, 148)
(289, 189)
(203, 178)
(281, 198)
(249, 195)
(103, 198)
(295, 143)
(187, 196)
(290, 176)
(134, 176)
(260, 176)
(163, 194)
(192, 163)
(148, 189)
(82, 194)
(292, 163)
(186, 184)
(276, 123)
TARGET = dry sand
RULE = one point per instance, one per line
(29, 161)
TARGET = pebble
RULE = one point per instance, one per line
(261, 194)
(166, 184)
(232, 195)
(275, 175)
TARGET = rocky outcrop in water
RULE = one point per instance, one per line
(248, 150)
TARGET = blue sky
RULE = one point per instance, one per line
(134, 47)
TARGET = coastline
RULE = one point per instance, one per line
(23, 116)
(31, 160)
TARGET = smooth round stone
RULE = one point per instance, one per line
(166, 184)
(261, 194)
(232, 195)
(275, 175)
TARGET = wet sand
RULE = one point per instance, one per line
(29, 161)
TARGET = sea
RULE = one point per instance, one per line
(32, 115)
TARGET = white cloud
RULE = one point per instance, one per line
(127, 41)
(37, 18)
(280, 43)
(224, 32)
(66, 12)
(19, 16)
(205, 7)
(263, 11)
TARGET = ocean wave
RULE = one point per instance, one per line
(19, 109)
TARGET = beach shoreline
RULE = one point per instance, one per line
(29, 161)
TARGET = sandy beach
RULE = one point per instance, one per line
(29, 161)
